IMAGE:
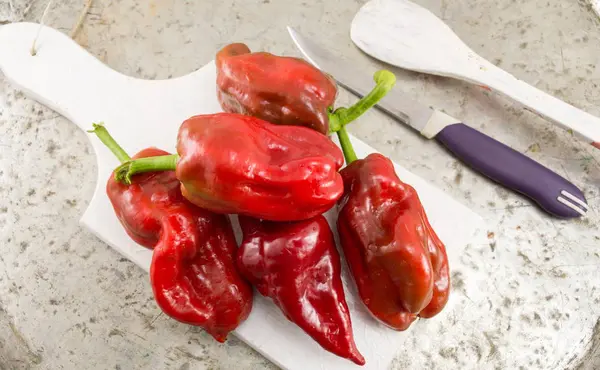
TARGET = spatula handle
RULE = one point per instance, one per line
(514, 170)
(572, 119)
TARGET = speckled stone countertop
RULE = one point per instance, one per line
(529, 292)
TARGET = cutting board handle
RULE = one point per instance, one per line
(59, 75)
(69, 80)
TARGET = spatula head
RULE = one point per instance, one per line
(406, 35)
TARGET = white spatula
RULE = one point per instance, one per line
(409, 36)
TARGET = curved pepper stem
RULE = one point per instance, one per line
(128, 166)
(110, 142)
(340, 117)
(124, 172)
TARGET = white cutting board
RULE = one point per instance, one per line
(143, 113)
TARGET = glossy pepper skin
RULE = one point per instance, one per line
(282, 90)
(236, 164)
(193, 274)
(397, 261)
(297, 265)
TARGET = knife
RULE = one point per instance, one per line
(497, 161)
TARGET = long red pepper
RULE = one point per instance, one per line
(193, 274)
(297, 265)
(397, 261)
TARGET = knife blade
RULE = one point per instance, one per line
(495, 160)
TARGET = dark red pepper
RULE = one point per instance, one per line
(297, 265)
(134, 205)
(282, 90)
(231, 163)
(397, 261)
(193, 274)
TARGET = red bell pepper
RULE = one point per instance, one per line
(297, 265)
(193, 274)
(231, 163)
(283, 90)
(397, 261)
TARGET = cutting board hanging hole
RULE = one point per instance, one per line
(74, 30)
(37, 35)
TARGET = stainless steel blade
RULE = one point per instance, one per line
(360, 82)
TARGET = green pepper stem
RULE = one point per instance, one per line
(124, 172)
(347, 147)
(340, 117)
(128, 166)
(110, 142)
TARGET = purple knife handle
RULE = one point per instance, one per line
(510, 168)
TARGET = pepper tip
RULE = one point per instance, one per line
(219, 337)
(357, 358)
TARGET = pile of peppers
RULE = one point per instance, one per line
(269, 159)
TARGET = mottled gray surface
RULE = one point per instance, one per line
(528, 295)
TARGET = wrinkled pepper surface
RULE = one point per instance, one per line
(397, 261)
(231, 163)
(192, 272)
(282, 90)
(297, 265)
